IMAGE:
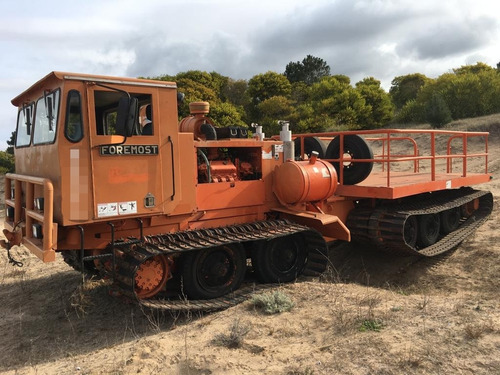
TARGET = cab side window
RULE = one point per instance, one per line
(146, 119)
(24, 125)
(46, 115)
(73, 128)
(106, 107)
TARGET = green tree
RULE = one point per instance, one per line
(262, 87)
(339, 101)
(310, 70)
(437, 112)
(477, 68)
(300, 92)
(273, 109)
(194, 91)
(406, 88)
(7, 164)
(380, 109)
(11, 142)
(213, 81)
(226, 114)
(267, 85)
(235, 92)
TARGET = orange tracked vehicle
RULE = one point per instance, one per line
(107, 176)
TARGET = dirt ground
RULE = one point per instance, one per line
(371, 313)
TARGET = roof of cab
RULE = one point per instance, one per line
(91, 78)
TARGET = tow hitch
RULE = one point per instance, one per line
(13, 239)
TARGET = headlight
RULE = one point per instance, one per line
(37, 231)
(38, 202)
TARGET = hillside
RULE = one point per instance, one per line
(371, 313)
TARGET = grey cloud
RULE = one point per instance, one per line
(327, 31)
(448, 38)
(157, 56)
(337, 24)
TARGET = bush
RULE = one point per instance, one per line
(234, 339)
(437, 112)
(6, 163)
(273, 302)
(412, 112)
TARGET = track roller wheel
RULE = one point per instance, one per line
(450, 220)
(151, 276)
(279, 260)
(355, 147)
(213, 272)
(428, 229)
(411, 231)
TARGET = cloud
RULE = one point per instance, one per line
(442, 39)
(358, 38)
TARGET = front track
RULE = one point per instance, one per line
(175, 244)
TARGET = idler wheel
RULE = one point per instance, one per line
(213, 272)
(428, 229)
(355, 147)
(279, 260)
(151, 276)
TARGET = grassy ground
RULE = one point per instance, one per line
(369, 314)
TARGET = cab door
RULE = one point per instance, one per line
(126, 171)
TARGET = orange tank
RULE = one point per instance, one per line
(198, 123)
(305, 181)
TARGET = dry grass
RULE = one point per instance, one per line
(234, 338)
(439, 316)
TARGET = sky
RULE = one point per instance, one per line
(239, 39)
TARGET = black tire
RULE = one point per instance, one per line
(74, 259)
(357, 148)
(411, 231)
(450, 220)
(213, 272)
(310, 144)
(279, 260)
(428, 230)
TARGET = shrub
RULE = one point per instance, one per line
(6, 162)
(234, 339)
(273, 302)
(437, 112)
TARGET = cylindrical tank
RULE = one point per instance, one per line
(198, 123)
(305, 181)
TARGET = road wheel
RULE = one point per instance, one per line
(428, 230)
(213, 272)
(355, 147)
(450, 219)
(411, 231)
(279, 260)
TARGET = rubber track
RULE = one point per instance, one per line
(383, 226)
(192, 240)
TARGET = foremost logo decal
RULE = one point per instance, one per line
(129, 150)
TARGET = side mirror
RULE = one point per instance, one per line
(126, 116)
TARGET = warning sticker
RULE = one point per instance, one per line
(107, 209)
(267, 155)
(115, 208)
(127, 208)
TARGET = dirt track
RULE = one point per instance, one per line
(432, 316)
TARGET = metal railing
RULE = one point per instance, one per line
(423, 146)
(20, 194)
